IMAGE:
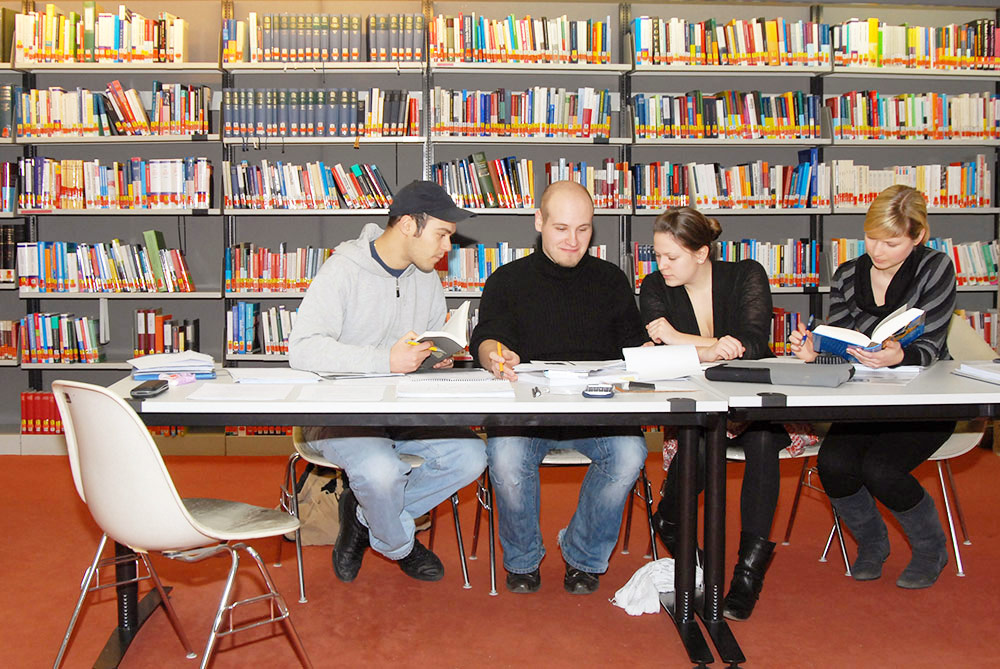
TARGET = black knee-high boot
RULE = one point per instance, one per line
(748, 576)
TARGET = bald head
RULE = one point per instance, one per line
(565, 218)
(561, 193)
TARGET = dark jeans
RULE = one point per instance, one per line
(880, 457)
(761, 442)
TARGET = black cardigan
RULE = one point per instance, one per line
(741, 305)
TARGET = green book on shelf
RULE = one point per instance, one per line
(154, 244)
(485, 182)
(6, 33)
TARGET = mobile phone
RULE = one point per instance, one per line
(599, 390)
(150, 388)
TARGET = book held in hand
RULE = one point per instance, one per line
(904, 325)
(452, 338)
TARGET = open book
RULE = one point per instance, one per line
(451, 339)
(904, 325)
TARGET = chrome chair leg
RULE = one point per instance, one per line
(290, 503)
(481, 498)
(88, 578)
(168, 607)
(492, 538)
(628, 516)
(795, 501)
(648, 489)
(461, 545)
(227, 591)
(951, 521)
(958, 504)
(279, 601)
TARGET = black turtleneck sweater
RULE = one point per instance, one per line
(542, 311)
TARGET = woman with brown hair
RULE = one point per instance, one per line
(724, 310)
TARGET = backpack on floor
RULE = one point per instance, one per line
(319, 489)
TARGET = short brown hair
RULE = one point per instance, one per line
(419, 218)
(691, 228)
(898, 211)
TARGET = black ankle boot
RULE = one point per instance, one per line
(748, 576)
(352, 541)
(666, 530)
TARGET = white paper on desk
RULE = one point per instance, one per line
(252, 392)
(570, 366)
(183, 361)
(495, 388)
(659, 363)
(336, 392)
(885, 376)
(271, 375)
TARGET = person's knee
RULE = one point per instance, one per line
(472, 459)
(623, 457)
(378, 473)
(508, 459)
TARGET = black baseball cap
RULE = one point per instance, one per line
(426, 197)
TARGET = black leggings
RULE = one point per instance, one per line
(880, 457)
(761, 442)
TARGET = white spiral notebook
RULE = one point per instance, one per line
(475, 383)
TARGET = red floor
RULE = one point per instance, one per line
(810, 614)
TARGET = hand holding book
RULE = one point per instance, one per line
(900, 327)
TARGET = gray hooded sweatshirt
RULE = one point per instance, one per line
(354, 311)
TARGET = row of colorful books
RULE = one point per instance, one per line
(314, 186)
(250, 329)
(98, 36)
(257, 430)
(467, 268)
(52, 338)
(791, 263)
(9, 339)
(472, 38)
(608, 182)
(248, 267)
(541, 111)
(176, 109)
(158, 332)
(873, 115)
(343, 112)
(783, 323)
(756, 41)
(39, 413)
(113, 267)
(139, 183)
(753, 185)
(967, 184)
(874, 43)
(507, 183)
(726, 115)
(322, 37)
(8, 187)
(983, 322)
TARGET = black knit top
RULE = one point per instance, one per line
(543, 311)
(741, 305)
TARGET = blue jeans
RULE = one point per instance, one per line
(390, 494)
(593, 531)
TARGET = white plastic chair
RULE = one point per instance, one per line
(560, 457)
(290, 503)
(121, 477)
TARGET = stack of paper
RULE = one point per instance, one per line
(454, 387)
(659, 363)
(147, 367)
(984, 371)
(272, 375)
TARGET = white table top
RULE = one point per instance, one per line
(935, 385)
(175, 401)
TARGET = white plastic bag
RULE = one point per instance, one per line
(642, 592)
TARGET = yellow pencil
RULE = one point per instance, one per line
(432, 348)
(500, 353)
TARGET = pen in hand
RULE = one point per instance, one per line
(432, 348)
(812, 322)
(500, 353)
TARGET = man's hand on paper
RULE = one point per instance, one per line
(406, 356)
(501, 364)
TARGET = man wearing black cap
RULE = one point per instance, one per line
(361, 314)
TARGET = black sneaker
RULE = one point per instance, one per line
(522, 584)
(422, 564)
(352, 540)
(577, 582)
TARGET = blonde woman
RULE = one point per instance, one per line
(862, 462)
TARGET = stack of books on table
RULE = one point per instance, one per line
(168, 365)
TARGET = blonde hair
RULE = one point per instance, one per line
(898, 211)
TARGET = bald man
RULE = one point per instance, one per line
(559, 303)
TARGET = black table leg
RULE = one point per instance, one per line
(681, 603)
(715, 545)
(132, 613)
